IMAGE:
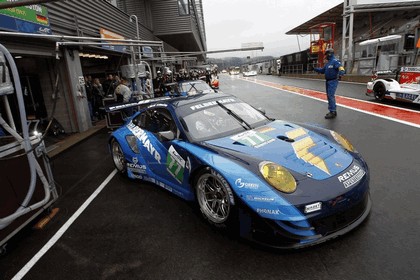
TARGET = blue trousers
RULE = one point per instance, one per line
(331, 87)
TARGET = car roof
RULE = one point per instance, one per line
(198, 98)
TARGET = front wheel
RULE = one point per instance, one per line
(379, 91)
(215, 198)
(118, 157)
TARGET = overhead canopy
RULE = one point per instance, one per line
(381, 39)
(335, 14)
(332, 15)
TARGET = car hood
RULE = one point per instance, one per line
(289, 145)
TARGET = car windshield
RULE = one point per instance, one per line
(222, 120)
(195, 87)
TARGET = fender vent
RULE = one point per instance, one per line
(285, 138)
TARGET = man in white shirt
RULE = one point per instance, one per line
(123, 92)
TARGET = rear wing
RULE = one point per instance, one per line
(121, 106)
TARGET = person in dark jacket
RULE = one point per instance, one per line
(333, 71)
(108, 85)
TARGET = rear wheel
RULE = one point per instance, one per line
(379, 91)
(118, 157)
(215, 198)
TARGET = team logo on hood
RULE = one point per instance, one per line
(302, 147)
(252, 138)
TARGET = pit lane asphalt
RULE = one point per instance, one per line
(134, 230)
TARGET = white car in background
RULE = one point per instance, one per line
(249, 73)
(407, 88)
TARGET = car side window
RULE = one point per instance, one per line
(156, 120)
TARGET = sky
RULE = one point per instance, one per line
(229, 23)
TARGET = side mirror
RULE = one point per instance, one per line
(166, 135)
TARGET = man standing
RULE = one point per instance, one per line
(333, 71)
(122, 91)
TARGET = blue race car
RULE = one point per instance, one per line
(274, 182)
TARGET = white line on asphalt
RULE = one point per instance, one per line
(63, 229)
(348, 107)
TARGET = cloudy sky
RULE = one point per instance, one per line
(229, 23)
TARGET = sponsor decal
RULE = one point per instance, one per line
(175, 164)
(313, 207)
(252, 139)
(144, 139)
(44, 30)
(351, 177)
(302, 146)
(211, 103)
(259, 198)
(158, 105)
(132, 104)
(407, 96)
(136, 166)
(268, 211)
(246, 185)
(410, 69)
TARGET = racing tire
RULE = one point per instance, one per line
(118, 157)
(215, 199)
(379, 91)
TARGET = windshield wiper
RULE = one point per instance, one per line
(236, 116)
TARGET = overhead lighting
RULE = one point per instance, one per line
(90, 55)
(18, 56)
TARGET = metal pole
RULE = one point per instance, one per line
(137, 31)
(344, 35)
(136, 67)
(350, 55)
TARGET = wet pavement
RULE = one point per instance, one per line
(135, 230)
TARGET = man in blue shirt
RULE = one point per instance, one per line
(333, 71)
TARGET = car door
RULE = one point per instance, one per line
(165, 158)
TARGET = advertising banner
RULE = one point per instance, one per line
(107, 34)
(27, 19)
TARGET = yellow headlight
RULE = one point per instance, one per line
(278, 177)
(342, 141)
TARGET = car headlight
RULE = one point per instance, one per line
(278, 177)
(343, 141)
(132, 143)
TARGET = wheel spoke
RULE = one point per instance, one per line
(223, 209)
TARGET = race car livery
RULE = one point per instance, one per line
(271, 181)
(406, 89)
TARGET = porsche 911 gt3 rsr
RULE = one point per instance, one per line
(277, 183)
